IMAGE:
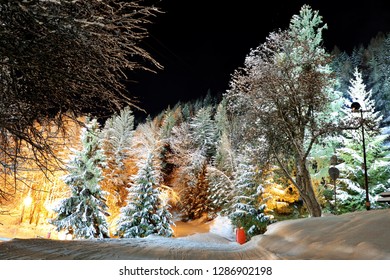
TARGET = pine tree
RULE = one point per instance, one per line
(378, 67)
(117, 139)
(357, 93)
(195, 197)
(203, 131)
(145, 212)
(247, 210)
(223, 159)
(117, 133)
(168, 123)
(220, 190)
(342, 67)
(352, 192)
(220, 173)
(148, 140)
(83, 214)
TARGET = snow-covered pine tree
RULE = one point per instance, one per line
(195, 197)
(148, 139)
(186, 111)
(378, 68)
(220, 190)
(357, 93)
(117, 139)
(169, 121)
(193, 146)
(342, 67)
(352, 191)
(220, 171)
(223, 159)
(247, 210)
(145, 212)
(203, 131)
(83, 214)
(117, 134)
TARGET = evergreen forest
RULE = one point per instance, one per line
(258, 153)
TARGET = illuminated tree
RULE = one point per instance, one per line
(83, 214)
(203, 131)
(195, 198)
(280, 96)
(278, 195)
(117, 140)
(377, 68)
(63, 58)
(352, 191)
(221, 190)
(247, 209)
(145, 213)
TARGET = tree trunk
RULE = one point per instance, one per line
(306, 189)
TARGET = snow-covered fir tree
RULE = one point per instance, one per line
(220, 174)
(248, 210)
(84, 213)
(378, 72)
(357, 93)
(169, 120)
(193, 145)
(224, 158)
(195, 197)
(145, 213)
(148, 139)
(167, 123)
(220, 190)
(204, 132)
(220, 171)
(117, 134)
(117, 139)
(352, 190)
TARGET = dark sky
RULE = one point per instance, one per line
(201, 42)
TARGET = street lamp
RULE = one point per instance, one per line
(355, 106)
(334, 173)
(27, 201)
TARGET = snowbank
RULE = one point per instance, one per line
(223, 227)
(359, 235)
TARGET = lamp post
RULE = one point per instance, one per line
(334, 173)
(355, 106)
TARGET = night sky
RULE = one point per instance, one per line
(201, 42)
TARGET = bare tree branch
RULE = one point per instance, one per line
(64, 58)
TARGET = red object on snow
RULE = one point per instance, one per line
(240, 236)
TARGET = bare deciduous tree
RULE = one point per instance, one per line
(62, 57)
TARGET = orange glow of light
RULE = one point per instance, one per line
(27, 201)
(167, 194)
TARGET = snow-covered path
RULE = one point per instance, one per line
(361, 235)
(200, 246)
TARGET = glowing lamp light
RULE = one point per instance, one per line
(27, 201)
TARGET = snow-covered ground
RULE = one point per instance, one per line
(360, 235)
